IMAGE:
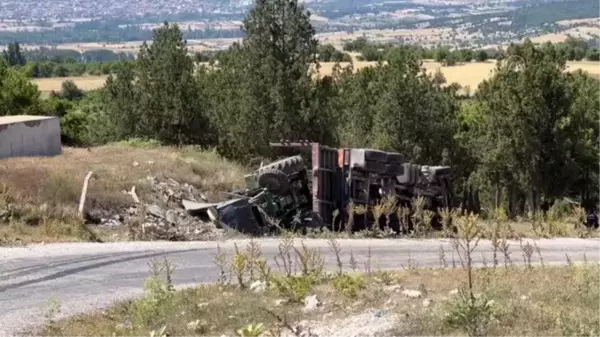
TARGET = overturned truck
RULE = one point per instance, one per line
(314, 188)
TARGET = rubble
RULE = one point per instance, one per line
(164, 219)
(412, 293)
(312, 303)
(258, 286)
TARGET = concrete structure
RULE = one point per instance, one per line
(28, 136)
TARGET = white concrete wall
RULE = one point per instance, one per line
(31, 138)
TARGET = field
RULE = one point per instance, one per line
(581, 28)
(251, 300)
(45, 85)
(134, 46)
(466, 74)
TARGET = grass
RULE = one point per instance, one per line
(40, 195)
(495, 300)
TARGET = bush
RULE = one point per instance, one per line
(293, 288)
(349, 285)
(470, 313)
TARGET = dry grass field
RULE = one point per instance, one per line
(134, 46)
(466, 74)
(45, 85)
(470, 74)
(581, 28)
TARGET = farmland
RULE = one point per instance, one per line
(470, 74)
(45, 85)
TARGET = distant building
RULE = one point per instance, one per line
(28, 136)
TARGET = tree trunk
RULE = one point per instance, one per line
(498, 198)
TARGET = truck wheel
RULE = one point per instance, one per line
(288, 165)
(275, 181)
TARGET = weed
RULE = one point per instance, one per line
(253, 252)
(447, 218)
(442, 257)
(152, 309)
(50, 316)
(352, 262)
(220, 260)
(385, 277)
(311, 262)
(527, 253)
(251, 330)
(471, 313)
(349, 285)
(239, 266)
(293, 288)
(335, 248)
(283, 259)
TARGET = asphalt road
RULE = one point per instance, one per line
(90, 276)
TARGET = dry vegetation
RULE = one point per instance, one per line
(43, 193)
(467, 75)
(581, 28)
(251, 299)
(45, 85)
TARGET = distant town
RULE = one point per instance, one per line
(454, 23)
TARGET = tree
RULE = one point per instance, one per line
(13, 55)
(526, 139)
(267, 82)
(584, 132)
(481, 56)
(18, 94)
(158, 97)
(398, 107)
(70, 91)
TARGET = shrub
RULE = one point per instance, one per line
(349, 285)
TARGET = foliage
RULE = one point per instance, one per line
(13, 55)
(18, 96)
(328, 53)
(293, 288)
(470, 313)
(157, 98)
(265, 83)
(349, 285)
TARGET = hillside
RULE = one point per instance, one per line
(40, 196)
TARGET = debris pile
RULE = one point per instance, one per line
(164, 218)
(174, 225)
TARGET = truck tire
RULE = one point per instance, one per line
(275, 181)
(288, 165)
(395, 158)
(364, 155)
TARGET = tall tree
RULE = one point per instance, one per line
(399, 107)
(159, 96)
(273, 90)
(13, 55)
(529, 129)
